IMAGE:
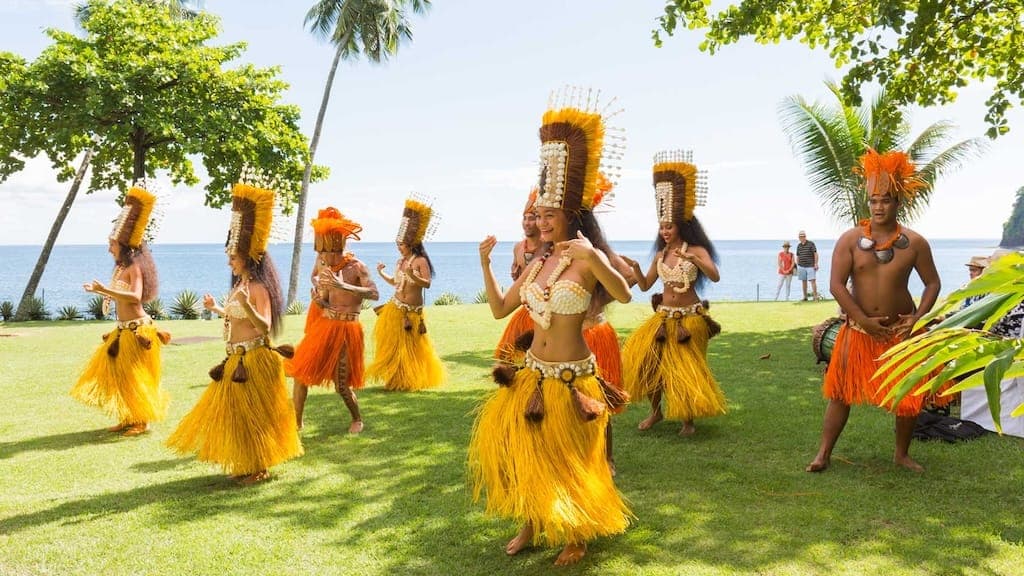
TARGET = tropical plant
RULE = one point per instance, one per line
(295, 308)
(923, 52)
(95, 308)
(69, 312)
(7, 310)
(144, 90)
(481, 297)
(447, 299)
(374, 28)
(830, 139)
(35, 309)
(187, 305)
(155, 309)
(950, 350)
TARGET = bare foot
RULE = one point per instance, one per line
(118, 427)
(819, 464)
(136, 429)
(688, 429)
(651, 420)
(522, 540)
(908, 463)
(571, 554)
(255, 478)
(355, 427)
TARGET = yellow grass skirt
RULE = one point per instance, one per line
(679, 370)
(126, 385)
(552, 473)
(246, 426)
(404, 359)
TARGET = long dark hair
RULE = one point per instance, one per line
(264, 272)
(585, 222)
(418, 250)
(144, 258)
(693, 234)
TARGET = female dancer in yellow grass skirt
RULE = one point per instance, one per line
(123, 375)
(244, 420)
(538, 444)
(666, 358)
(404, 358)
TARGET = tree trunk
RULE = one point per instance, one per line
(300, 214)
(139, 155)
(58, 223)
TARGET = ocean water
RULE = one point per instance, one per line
(747, 268)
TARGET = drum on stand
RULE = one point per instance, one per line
(824, 338)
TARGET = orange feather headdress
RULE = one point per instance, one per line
(332, 229)
(889, 173)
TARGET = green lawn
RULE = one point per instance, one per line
(75, 499)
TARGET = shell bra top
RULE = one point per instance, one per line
(683, 273)
(563, 297)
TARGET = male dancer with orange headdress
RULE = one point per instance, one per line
(332, 348)
(878, 256)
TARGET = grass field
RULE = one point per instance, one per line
(75, 499)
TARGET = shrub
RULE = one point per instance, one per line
(68, 312)
(35, 309)
(187, 305)
(481, 296)
(155, 309)
(295, 308)
(7, 310)
(447, 299)
(95, 308)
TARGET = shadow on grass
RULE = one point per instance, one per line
(733, 497)
(482, 359)
(66, 441)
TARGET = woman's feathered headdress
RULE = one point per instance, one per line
(131, 225)
(679, 186)
(418, 222)
(252, 214)
(576, 144)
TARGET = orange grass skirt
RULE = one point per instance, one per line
(316, 358)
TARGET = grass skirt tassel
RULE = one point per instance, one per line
(243, 427)
(849, 375)
(552, 473)
(404, 360)
(604, 344)
(316, 357)
(679, 370)
(127, 385)
(519, 324)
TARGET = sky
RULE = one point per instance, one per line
(454, 117)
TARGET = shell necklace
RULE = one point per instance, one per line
(107, 300)
(563, 262)
(883, 252)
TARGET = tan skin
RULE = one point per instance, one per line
(530, 243)
(675, 249)
(882, 305)
(255, 302)
(341, 289)
(129, 307)
(417, 274)
(563, 341)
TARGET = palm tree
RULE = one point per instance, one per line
(83, 11)
(831, 138)
(373, 28)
